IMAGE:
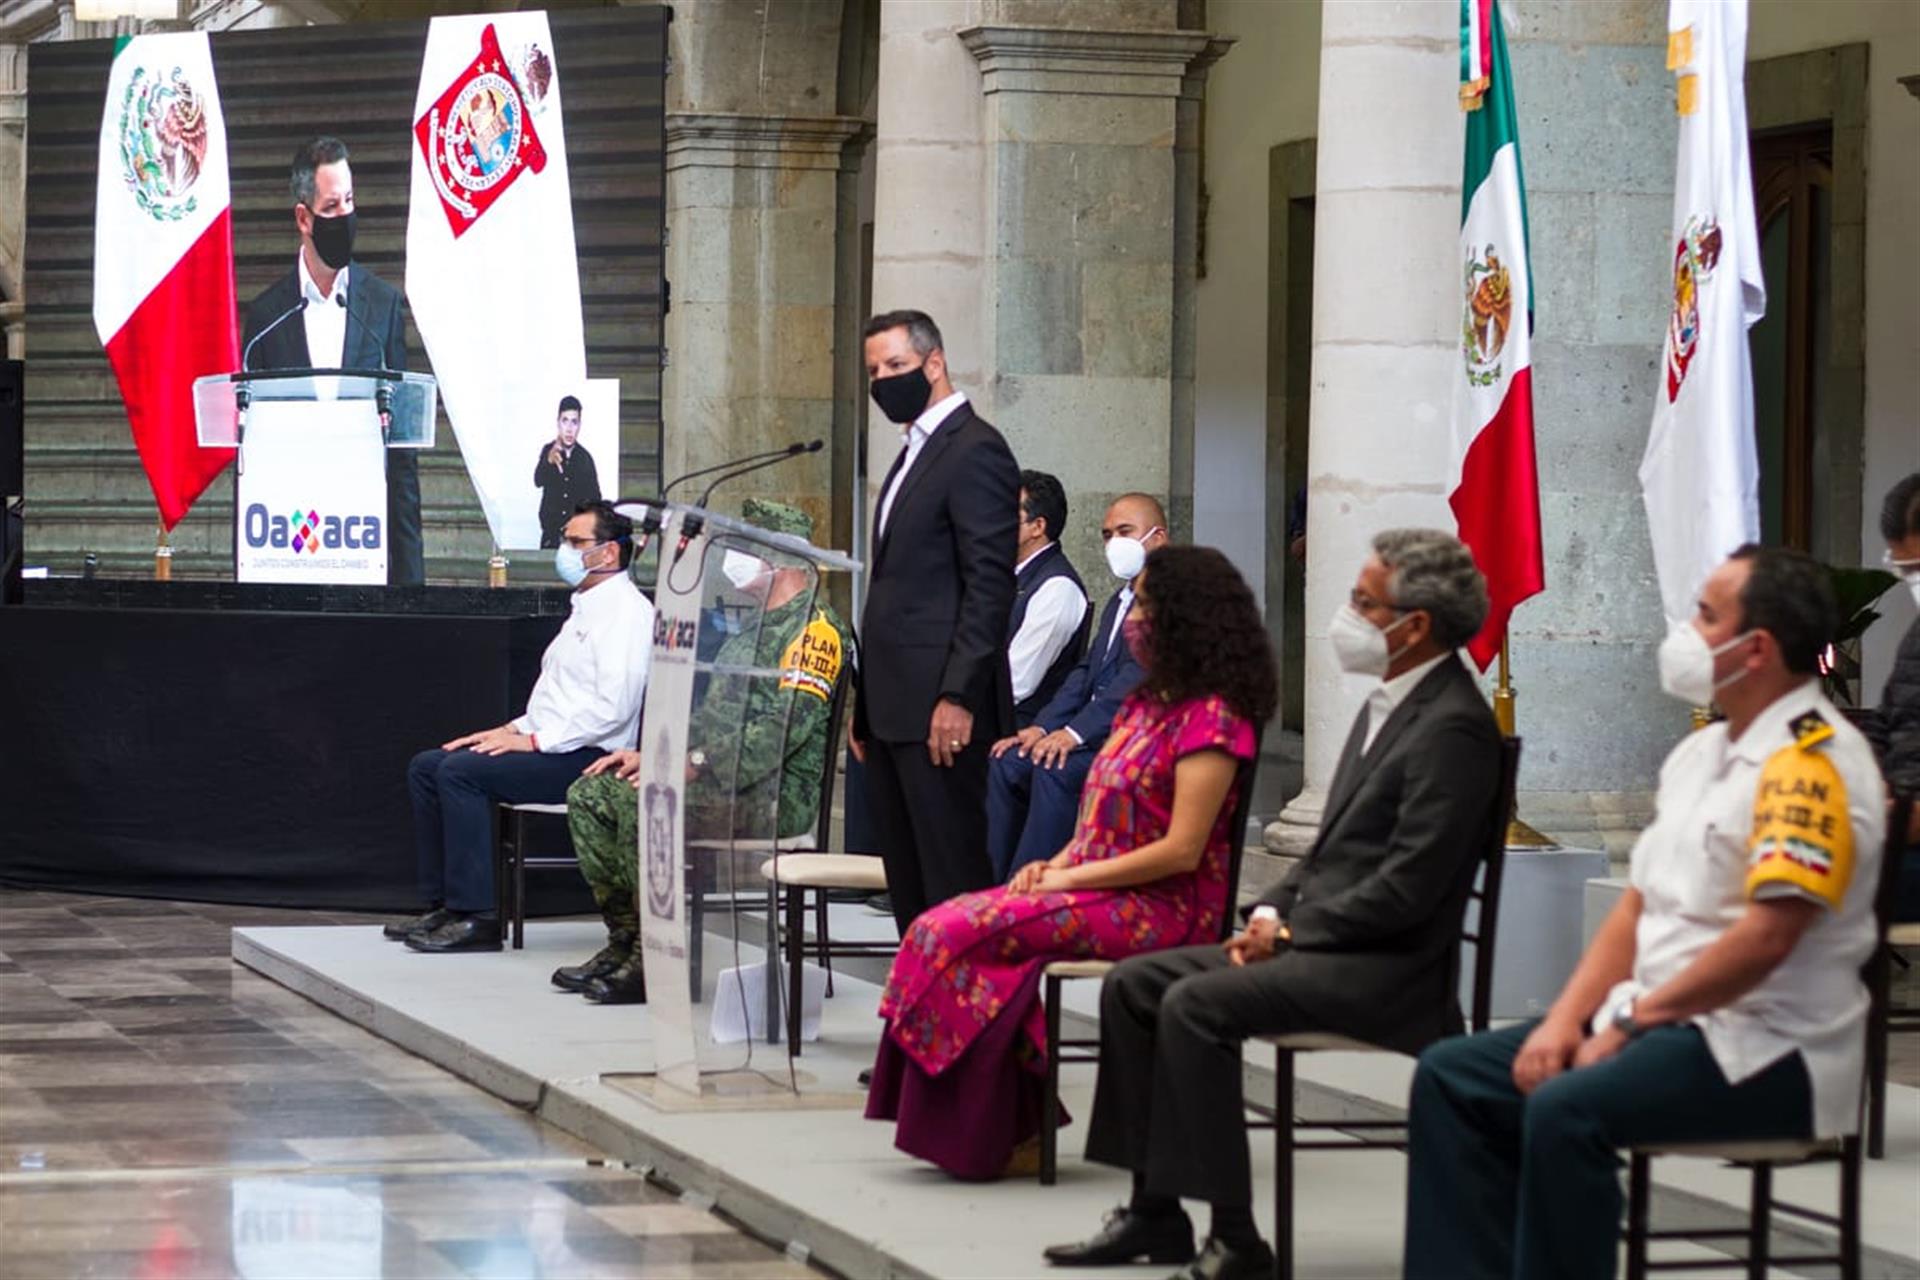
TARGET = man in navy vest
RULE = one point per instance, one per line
(1033, 786)
(1047, 632)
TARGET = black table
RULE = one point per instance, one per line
(226, 742)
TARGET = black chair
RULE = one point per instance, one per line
(1480, 931)
(1760, 1158)
(510, 863)
(1888, 1018)
(1060, 1049)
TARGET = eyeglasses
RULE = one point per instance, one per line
(1364, 603)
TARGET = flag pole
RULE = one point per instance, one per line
(163, 556)
(497, 568)
(1519, 834)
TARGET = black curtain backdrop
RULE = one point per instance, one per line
(248, 756)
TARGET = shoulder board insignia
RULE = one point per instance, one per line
(1810, 729)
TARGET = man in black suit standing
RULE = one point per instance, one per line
(352, 320)
(1359, 939)
(934, 689)
(565, 474)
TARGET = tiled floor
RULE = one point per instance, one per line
(164, 1112)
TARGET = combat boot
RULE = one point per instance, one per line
(625, 985)
(623, 936)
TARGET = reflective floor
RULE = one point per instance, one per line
(164, 1112)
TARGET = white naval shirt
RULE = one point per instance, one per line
(917, 433)
(1053, 615)
(325, 319)
(1691, 868)
(593, 677)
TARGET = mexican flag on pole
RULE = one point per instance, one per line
(1495, 486)
(163, 298)
(1700, 476)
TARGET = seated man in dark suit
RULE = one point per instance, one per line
(352, 320)
(1357, 940)
(1033, 787)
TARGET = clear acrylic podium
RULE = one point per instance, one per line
(736, 671)
(310, 489)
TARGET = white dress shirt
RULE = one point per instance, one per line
(916, 434)
(1053, 617)
(325, 319)
(593, 677)
(1692, 868)
(1389, 694)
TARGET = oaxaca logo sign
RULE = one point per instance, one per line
(305, 529)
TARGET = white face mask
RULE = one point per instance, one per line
(1913, 586)
(741, 569)
(1361, 647)
(1126, 557)
(1686, 665)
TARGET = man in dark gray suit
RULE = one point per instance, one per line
(1359, 939)
(351, 319)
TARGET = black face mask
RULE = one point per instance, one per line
(333, 239)
(904, 396)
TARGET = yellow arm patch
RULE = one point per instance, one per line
(811, 663)
(1802, 837)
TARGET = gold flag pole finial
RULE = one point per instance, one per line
(497, 569)
(1519, 834)
(162, 556)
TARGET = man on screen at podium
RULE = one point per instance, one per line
(351, 320)
(781, 728)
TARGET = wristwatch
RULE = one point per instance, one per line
(697, 758)
(1623, 1021)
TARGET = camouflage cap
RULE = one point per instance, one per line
(777, 517)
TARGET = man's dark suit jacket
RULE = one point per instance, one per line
(940, 588)
(563, 490)
(1091, 697)
(376, 328)
(1375, 908)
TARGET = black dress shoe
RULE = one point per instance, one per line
(880, 904)
(1126, 1237)
(575, 977)
(461, 933)
(419, 924)
(1221, 1261)
(625, 985)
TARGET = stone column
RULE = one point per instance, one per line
(1597, 138)
(1052, 234)
(752, 208)
(13, 169)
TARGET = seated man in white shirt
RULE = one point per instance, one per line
(585, 704)
(1720, 1000)
(1047, 631)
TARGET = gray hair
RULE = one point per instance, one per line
(1432, 570)
(923, 335)
(312, 154)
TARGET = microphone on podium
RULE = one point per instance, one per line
(383, 392)
(242, 391)
(691, 526)
(752, 459)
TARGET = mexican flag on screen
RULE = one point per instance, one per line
(1495, 486)
(163, 298)
(1700, 476)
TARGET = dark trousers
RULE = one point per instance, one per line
(1031, 811)
(1501, 1184)
(406, 544)
(931, 824)
(1168, 1102)
(453, 797)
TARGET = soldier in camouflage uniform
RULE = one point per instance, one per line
(781, 731)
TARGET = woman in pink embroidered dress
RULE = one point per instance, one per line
(960, 1064)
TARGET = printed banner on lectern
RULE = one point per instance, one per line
(311, 499)
(492, 275)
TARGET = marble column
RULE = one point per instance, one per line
(13, 169)
(1050, 229)
(1597, 135)
(753, 206)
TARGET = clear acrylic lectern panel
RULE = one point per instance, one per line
(740, 669)
(411, 400)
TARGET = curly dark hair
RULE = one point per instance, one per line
(1205, 634)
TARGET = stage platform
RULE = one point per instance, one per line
(808, 1172)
